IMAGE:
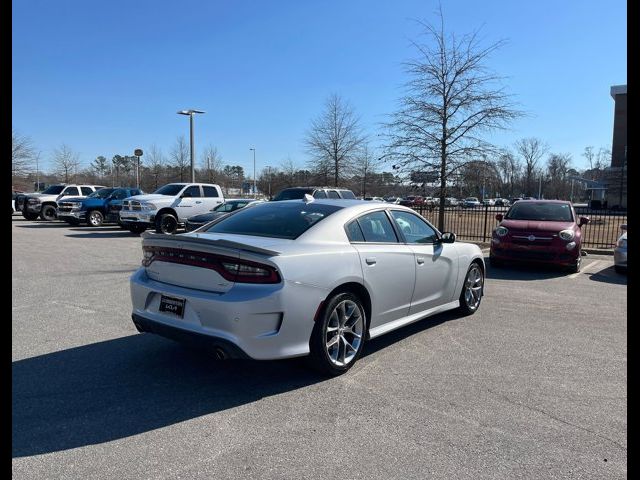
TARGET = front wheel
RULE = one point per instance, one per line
(95, 218)
(472, 290)
(575, 268)
(30, 215)
(338, 335)
(167, 224)
(48, 213)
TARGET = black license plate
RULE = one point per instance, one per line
(172, 305)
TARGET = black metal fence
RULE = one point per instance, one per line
(477, 224)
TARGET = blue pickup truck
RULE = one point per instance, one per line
(100, 207)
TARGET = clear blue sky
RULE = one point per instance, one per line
(107, 77)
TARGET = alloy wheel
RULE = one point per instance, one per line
(343, 334)
(473, 286)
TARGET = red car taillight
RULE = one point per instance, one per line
(232, 269)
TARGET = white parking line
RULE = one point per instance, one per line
(588, 269)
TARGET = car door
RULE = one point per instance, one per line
(387, 266)
(436, 262)
(190, 203)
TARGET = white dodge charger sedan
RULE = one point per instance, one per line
(302, 277)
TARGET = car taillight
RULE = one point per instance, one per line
(232, 269)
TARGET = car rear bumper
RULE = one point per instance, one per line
(265, 322)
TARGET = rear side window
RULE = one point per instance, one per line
(121, 194)
(274, 219)
(348, 194)
(333, 194)
(377, 228)
(86, 190)
(354, 233)
(319, 194)
(192, 192)
(210, 191)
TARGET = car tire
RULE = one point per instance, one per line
(95, 218)
(472, 290)
(48, 213)
(338, 335)
(30, 215)
(137, 229)
(575, 268)
(167, 224)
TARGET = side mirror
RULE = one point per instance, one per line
(583, 221)
(499, 217)
(448, 237)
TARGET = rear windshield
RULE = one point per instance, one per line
(554, 212)
(274, 219)
(293, 194)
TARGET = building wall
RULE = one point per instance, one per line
(619, 131)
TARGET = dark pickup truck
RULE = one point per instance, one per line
(100, 207)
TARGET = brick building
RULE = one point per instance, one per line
(616, 175)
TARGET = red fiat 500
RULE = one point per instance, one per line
(540, 231)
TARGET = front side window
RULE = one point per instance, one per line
(192, 192)
(172, 189)
(102, 193)
(54, 190)
(121, 194)
(319, 194)
(286, 220)
(414, 228)
(71, 191)
(333, 194)
(377, 228)
(210, 192)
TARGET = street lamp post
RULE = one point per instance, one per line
(254, 173)
(192, 152)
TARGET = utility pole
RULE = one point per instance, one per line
(540, 188)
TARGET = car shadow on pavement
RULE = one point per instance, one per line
(106, 234)
(609, 275)
(45, 224)
(114, 389)
(117, 388)
(525, 272)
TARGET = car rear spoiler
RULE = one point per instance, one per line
(161, 238)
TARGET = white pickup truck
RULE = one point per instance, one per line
(169, 206)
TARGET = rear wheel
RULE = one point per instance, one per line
(30, 215)
(48, 213)
(338, 335)
(167, 223)
(472, 290)
(95, 218)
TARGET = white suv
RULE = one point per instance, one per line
(169, 206)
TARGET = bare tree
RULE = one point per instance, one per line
(156, 163)
(181, 160)
(531, 150)
(66, 162)
(452, 99)
(510, 169)
(22, 154)
(335, 138)
(558, 166)
(211, 162)
(365, 166)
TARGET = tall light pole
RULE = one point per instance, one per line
(192, 151)
(254, 172)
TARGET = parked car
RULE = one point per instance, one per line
(14, 194)
(394, 200)
(451, 202)
(516, 199)
(221, 210)
(540, 231)
(501, 202)
(297, 193)
(471, 202)
(374, 199)
(169, 206)
(317, 278)
(488, 202)
(620, 252)
(45, 204)
(102, 206)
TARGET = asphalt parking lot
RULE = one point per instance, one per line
(532, 386)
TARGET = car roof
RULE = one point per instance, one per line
(544, 201)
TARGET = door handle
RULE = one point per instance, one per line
(198, 201)
(370, 261)
(420, 260)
